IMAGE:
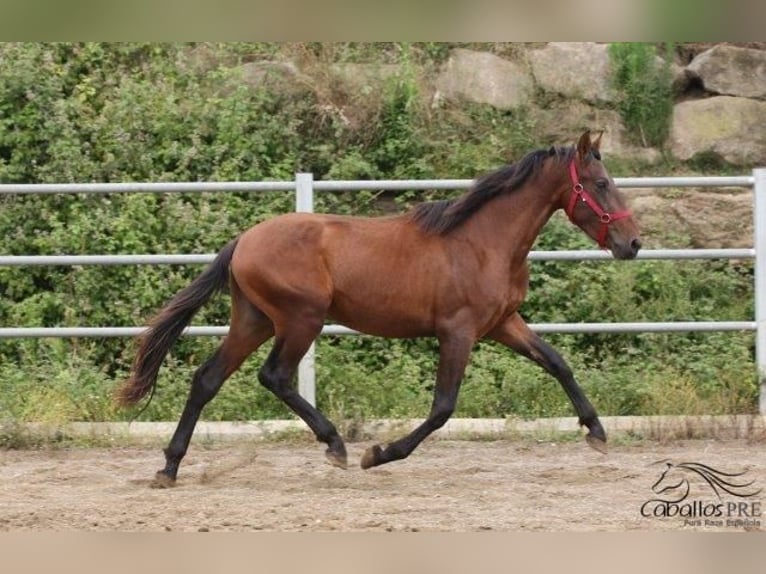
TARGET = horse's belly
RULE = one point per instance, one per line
(374, 318)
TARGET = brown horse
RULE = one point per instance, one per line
(455, 270)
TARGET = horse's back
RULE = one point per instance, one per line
(302, 236)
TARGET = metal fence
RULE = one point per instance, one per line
(304, 187)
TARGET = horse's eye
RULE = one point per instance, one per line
(602, 185)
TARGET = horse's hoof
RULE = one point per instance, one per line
(337, 459)
(371, 457)
(162, 480)
(597, 443)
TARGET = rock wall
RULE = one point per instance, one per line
(721, 95)
(719, 115)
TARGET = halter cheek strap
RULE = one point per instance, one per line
(580, 193)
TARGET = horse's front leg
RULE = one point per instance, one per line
(517, 335)
(454, 350)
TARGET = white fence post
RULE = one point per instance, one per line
(759, 231)
(304, 202)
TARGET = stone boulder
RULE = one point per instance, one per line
(483, 78)
(727, 126)
(730, 70)
(364, 79)
(698, 217)
(578, 70)
(716, 220)
(565, 121)
(582, 70)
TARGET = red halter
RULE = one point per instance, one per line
(578, 191)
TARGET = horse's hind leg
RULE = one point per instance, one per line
(249, 329)
(277, 373)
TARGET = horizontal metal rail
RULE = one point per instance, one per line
(213, 331)
(186, 259)
(117, 259)
(138, 187)
(338, 185)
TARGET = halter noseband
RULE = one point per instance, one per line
(578, 191)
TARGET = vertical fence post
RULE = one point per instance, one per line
(759, 231)
(304, 202)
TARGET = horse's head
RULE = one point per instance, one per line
(595, 205)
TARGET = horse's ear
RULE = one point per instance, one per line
(597, 141)
(584, 147)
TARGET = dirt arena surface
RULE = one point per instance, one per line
(446, 485)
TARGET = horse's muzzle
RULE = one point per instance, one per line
(626, 250)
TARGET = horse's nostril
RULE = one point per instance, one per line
(635, 245)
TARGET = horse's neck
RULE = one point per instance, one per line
(510, 223)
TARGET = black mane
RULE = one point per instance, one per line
(441, 217)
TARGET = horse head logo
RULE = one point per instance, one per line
(674, 481)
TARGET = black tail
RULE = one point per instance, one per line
(168, 325)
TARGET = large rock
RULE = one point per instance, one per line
(716, 220)
(561, 122)
(483, 78)
(697, 217)
(577, 70)
(582, 70)
(364, 79)
(727, 126)
(730, 70)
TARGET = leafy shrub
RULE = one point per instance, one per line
(645, 91)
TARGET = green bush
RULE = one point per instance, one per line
(645, 93)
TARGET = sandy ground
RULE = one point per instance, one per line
(446, 485)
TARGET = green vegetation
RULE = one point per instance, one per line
(645, 88)
(171, 112)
